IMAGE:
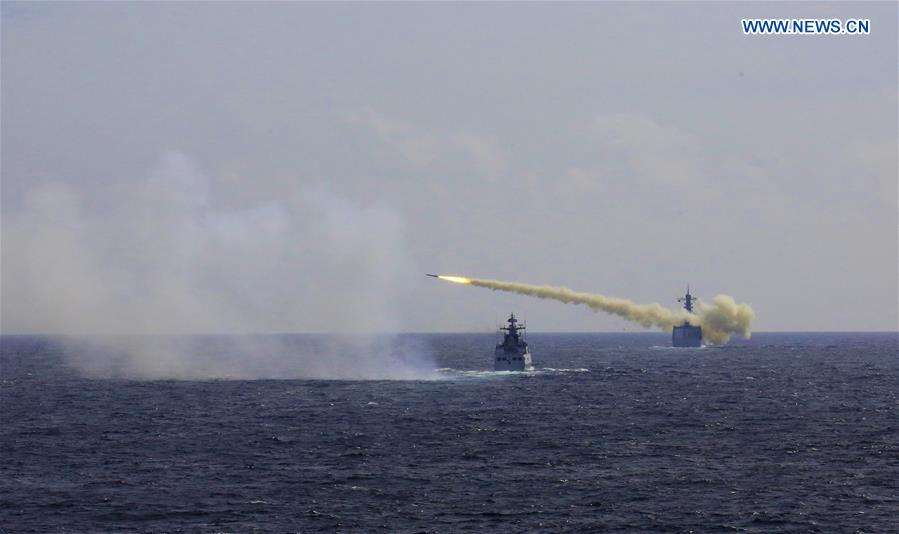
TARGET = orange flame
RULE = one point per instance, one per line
(455, 279)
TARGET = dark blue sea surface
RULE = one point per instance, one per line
(780, 433)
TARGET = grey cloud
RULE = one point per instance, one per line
(609, 148)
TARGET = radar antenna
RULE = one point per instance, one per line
(688, 300)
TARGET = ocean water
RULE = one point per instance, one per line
(780, 433)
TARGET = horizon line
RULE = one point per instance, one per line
(383, 333)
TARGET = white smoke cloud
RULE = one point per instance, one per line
(161, 259)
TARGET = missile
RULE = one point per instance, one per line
(453, 279)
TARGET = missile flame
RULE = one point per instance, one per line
(455, 279)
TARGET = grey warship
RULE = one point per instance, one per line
(513, 353)
(687, 335)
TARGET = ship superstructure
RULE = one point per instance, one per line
(512, 354)
(687, 335)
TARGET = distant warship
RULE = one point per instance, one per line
(512, 354)
(687, 335)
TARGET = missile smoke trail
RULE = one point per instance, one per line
(719, 320)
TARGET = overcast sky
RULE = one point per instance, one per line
(299, 166)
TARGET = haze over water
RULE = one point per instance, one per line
(612, 432)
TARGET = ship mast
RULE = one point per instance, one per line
(687, 300)
(513, 329)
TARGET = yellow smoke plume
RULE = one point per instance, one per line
(719, 320)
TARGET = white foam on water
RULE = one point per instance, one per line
(450, 373)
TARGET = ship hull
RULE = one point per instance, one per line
(515, 360)
(686, 336)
